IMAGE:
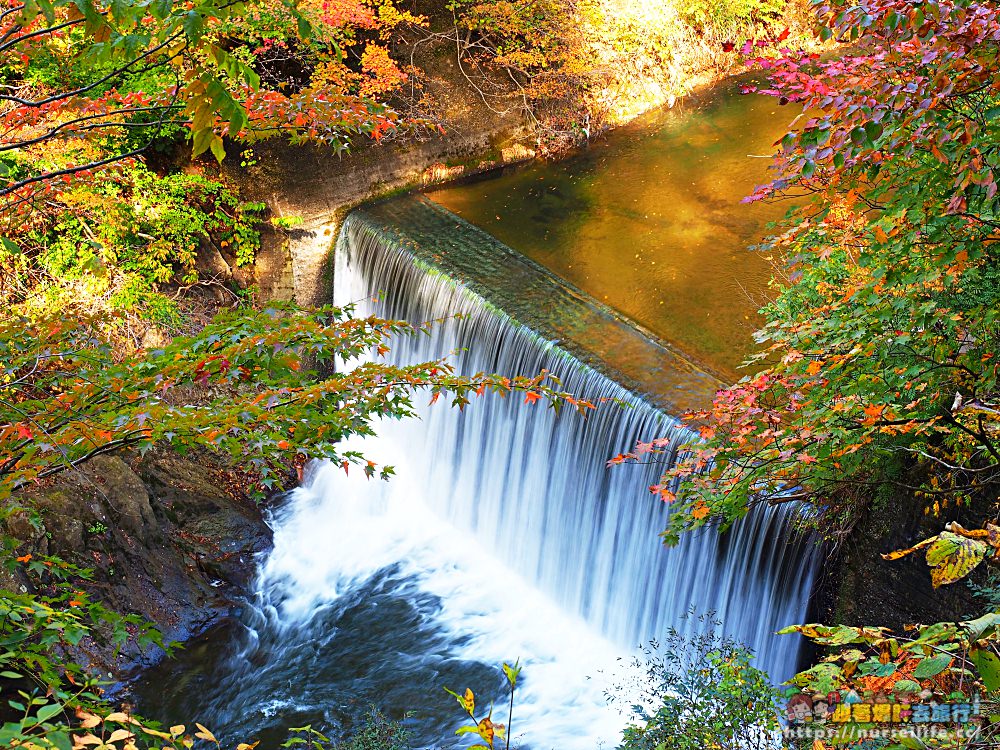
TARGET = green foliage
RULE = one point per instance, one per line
(43, 692)
(111, 247)
(109, 252)
(286, 222)
(730, 17)
(696, 692)
(378, 732)
(989, 590)
(946, 661)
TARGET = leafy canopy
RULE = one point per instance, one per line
(879, 354)
(88, 84)
(261, 384)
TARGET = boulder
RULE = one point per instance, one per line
(173, 539)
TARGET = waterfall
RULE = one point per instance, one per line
(532, 486)
(503, 535)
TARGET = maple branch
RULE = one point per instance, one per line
(14, 145)
(6, 45)
(979, 435)
(113, 74)
(71, 170)
(130, 438)
(13, 9)
(44, 177)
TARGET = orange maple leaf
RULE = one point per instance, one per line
(663, 492)
(873, 412)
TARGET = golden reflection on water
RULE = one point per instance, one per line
(649, 220)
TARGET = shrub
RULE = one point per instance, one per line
(113, 246)
(727, 17)
(378, 732)
(697, 692)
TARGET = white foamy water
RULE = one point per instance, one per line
(532, 486)
(338, 531)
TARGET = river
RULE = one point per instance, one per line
(650, 219)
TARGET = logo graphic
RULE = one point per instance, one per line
(880, 716)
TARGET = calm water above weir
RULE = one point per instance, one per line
(649, 219)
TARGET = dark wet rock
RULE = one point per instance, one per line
(858, 587)
(173, 539)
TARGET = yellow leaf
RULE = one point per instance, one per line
(176, 730)
(204, 734)
(812, 631)
(88, 721)
(82, 740)
(469, 701)
(953, 557)
(904, 552)
(120, 734)
(486, 731)
(117, 716)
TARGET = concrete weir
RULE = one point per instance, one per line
(592, 332)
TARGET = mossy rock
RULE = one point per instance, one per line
(186, 487)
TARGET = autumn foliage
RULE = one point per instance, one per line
(576, 68)
(878, 362)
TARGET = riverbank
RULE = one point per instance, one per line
(173, 539)
(310, 189)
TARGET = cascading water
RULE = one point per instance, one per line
(534, 489)
(502, 535)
